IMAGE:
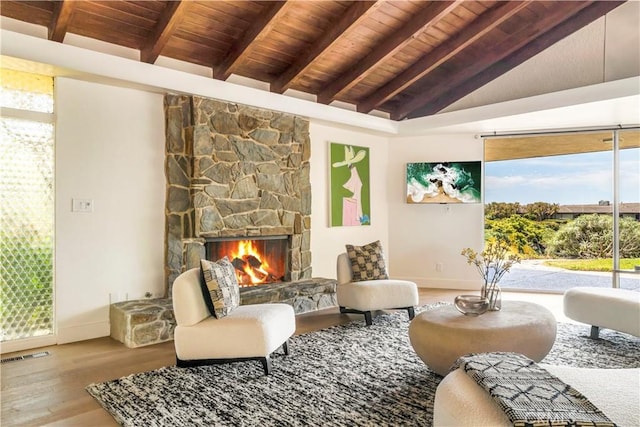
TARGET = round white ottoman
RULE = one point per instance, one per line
(441, 335)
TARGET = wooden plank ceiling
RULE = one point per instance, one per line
(526, 147)
(407, 58)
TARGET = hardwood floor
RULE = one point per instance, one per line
(50, 391)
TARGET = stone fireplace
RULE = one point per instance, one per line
(235, 172)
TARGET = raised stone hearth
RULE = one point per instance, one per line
(142, 322)
(303, 295)
(151, 321)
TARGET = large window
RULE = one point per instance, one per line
(570, 205)
(26, 206)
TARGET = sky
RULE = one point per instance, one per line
(569, 179)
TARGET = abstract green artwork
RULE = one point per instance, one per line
(349, 187)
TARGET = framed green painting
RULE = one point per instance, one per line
(350, 200)
(444, 182)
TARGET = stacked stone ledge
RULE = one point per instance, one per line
(151, 321)
(142, 322)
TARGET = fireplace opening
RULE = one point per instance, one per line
(257, 260)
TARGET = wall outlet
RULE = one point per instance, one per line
(118, 297)
(438, 266)
(82, 205)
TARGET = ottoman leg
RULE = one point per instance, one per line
(412, 313)
(595, 332)
(285, 347)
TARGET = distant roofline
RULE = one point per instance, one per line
(625, 208)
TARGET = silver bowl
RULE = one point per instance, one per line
(471, 305)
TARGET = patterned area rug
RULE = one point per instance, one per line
(345, 375)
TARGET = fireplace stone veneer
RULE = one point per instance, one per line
(234, 171)
(151, 321)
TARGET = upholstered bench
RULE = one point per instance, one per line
(460, 402)
(612, 308)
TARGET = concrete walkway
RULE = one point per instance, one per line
(531, 274)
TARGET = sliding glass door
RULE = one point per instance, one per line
(626, 250)
(569, 204)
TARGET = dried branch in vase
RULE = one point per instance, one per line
(492, 263)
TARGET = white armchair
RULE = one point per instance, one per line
(363, 297)
(250, 332)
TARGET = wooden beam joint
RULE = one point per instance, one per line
(166, 26)
(241, 50)
(62, 11)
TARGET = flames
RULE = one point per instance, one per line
(251, 266)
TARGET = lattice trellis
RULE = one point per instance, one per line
(26, 223)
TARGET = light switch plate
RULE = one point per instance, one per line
(81, 205)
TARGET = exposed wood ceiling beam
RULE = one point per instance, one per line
(256, 31)
(353, 16)
(559, 32)
(498, 53)
(481, 26)
(62, 11)
(164, 29)
(427, 17)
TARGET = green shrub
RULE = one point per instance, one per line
(524, 236)
(539, 211)
(591, 236)
(499, 210)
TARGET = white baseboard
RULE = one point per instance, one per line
(87, 331)
(424, 282)
(27, 344)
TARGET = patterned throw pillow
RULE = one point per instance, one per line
(220, 286)
(367, 262)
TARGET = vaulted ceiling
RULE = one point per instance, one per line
(406, 58)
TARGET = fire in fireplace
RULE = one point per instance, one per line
(257, 261)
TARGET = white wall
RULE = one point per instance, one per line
(622, 43)
(109, 148)
(422, 235)
(327, 242)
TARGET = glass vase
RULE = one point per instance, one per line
(493, 294)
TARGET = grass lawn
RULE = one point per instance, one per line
(599, 264)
